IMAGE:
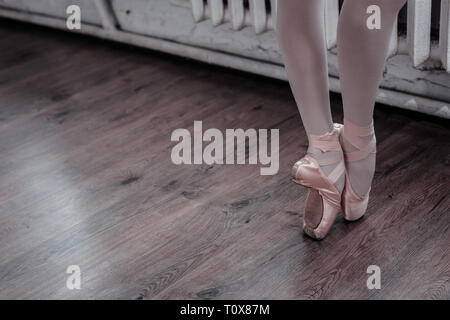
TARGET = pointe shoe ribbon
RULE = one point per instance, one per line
(353, 205)
(323, 200)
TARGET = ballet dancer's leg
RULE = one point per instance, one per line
(362, 53)
(301, 38)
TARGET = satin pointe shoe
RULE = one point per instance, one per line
(353, 205)
(324, 200)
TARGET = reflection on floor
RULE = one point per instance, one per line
(86, 179)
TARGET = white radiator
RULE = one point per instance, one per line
(239, 34)
(262, 17)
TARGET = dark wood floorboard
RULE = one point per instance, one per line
(86, 178)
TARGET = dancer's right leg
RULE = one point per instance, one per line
(301, 38)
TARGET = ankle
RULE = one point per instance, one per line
(345, 145)
(320, 155)
(359, 146)
(361, 173)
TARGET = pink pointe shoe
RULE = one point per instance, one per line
(324, 200)
(353, 205)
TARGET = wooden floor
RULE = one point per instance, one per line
(86, 179)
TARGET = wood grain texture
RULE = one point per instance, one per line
(86, 178)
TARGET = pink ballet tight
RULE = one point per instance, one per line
(361, 52)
